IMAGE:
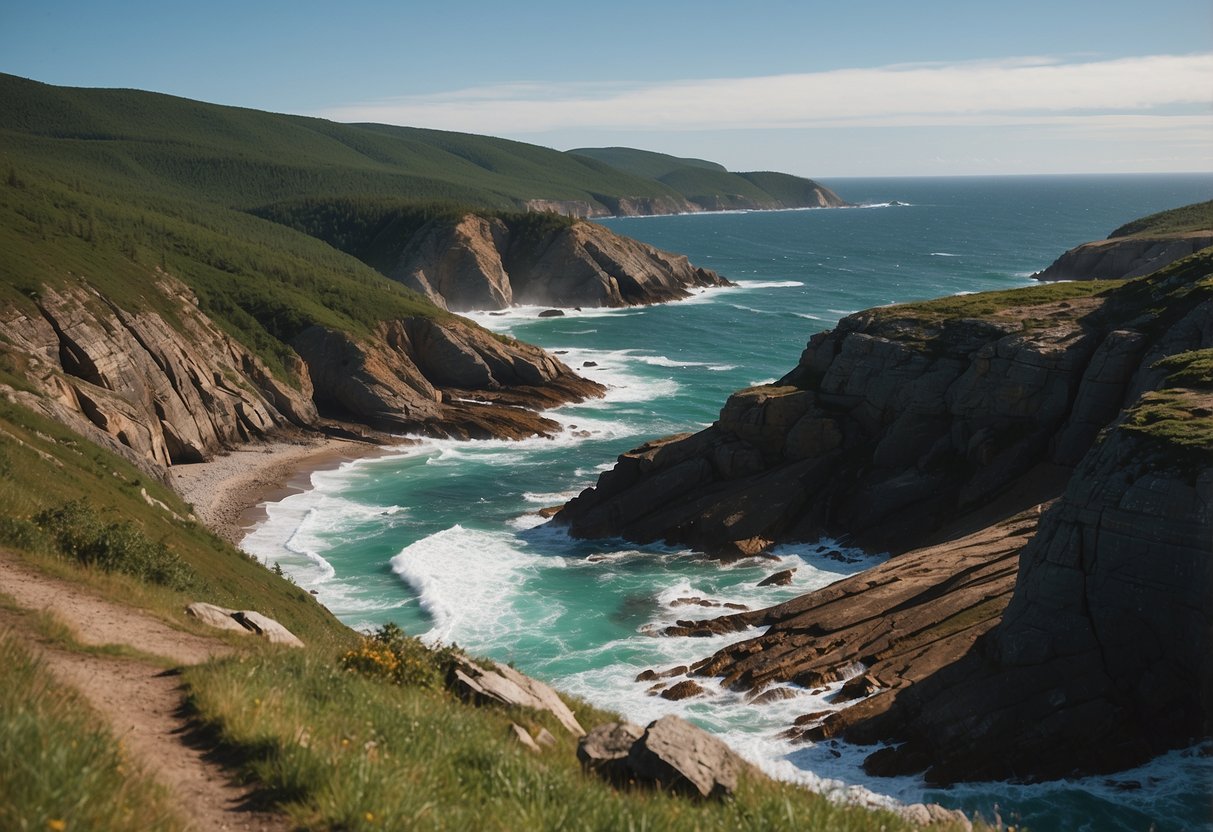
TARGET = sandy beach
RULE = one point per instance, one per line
(229, 491)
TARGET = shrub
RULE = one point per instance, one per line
(400, 659)
(80, 534)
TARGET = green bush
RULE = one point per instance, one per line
(394, 657)
(80, 534)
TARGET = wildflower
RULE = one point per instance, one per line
(56, 824)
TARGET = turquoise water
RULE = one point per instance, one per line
(443, 539)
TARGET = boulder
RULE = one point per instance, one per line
(605, 749)
(678, 756)
(932, 814)
(524, 737)
(504, 685)
(243, 621)
(267, 628)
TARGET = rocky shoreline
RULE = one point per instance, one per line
(1081, 646)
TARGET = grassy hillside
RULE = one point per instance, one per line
(646, 163)
(706, 183)
(1196, 217)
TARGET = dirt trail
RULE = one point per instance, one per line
(142, 702)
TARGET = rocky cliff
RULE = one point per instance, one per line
(896, 421)
(895, 425)
(1123, 257)
(163, 384)
(480, 262)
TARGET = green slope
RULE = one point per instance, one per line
(1196, 217)
(710, 185)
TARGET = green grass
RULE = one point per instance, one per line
(59, 769)
(45, 467)
(1196, 217)
(988, 304)
(336, 749)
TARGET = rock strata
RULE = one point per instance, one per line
(479, 263)
(1055, 453)
(1122, 257)
(164, 385)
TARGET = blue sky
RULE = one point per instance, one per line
(819, 89)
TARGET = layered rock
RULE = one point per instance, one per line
(1123, 257)
(1105, 653)
(481, 263)
(446, 378)
(157, 392)
(1000, 652)
(162, 384)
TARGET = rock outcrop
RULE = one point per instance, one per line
(504, 685)
(163, 385)
(893, 424)
(243, 621)
(158, 393)
(481, 263)
(1006, 650)
(1104, 656)
(670, 753)
(1123, 257)
(438, 377)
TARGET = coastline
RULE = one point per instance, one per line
(228, 492)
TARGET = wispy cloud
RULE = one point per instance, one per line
(1135, 93)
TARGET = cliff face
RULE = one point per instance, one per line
(481, 263)
(894, 422)
(1103, 657)
(1008, 651)
(167, 386)
(1123, 257)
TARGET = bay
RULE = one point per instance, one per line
(442, 537)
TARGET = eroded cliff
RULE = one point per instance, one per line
(480, 262)
(927, 424)
(163, 384)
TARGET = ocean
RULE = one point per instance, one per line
(442, 537)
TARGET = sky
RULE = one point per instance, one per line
(835, 89)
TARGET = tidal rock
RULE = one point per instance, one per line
(551, 313)
(500, 683)
(681, 757)
(685, 689)
(770, 695)
(782, 578)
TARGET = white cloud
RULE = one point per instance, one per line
(1139, 94)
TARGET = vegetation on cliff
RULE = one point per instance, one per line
(1186, 218)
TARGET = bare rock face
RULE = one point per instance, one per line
(899, 437)
(506, 686)
(1029, 644)
(1121, 257)
(439, 377)
(162, 393)
(478, 263)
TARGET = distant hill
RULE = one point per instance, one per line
(709, 186)
(245, 158)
